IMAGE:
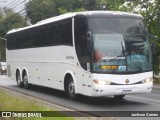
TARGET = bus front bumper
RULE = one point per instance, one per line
(108, 90)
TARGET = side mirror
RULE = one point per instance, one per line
(153, 39)
(89, 35)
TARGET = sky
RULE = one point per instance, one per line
(16, 5)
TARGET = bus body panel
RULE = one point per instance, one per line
(44, 68)
(49, 68)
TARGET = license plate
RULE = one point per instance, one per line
(126, 91)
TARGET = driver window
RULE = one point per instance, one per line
(81, 40)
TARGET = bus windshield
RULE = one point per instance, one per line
(120, 45)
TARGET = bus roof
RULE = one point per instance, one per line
(85, 13)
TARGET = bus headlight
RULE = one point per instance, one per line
(101, 82)
(147, 80)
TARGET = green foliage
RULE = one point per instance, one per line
(1, 14)
(41, 9)
(10, 21)
(2, 50)
(114, 5)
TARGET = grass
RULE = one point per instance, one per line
(10, 102)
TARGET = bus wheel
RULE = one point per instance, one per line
(119, 97)
(70, 89)
(18, 79)
(25, 81)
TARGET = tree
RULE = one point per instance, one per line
(10, 21)
(2, 50)
(1, 14)
(41, 9)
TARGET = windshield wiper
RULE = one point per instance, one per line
(123, 50)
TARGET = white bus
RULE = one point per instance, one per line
(94, 53)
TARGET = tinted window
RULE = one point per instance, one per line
(133, 26)
(105, 25)
(65, 31)
(57, 33)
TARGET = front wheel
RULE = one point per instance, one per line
(70, 89)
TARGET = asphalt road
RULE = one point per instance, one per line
(90, 105)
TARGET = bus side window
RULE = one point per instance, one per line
(81, 40)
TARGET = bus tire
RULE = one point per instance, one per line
(18, 79)
(119, 97)
(25, 81)
(70, 89)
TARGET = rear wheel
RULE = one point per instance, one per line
(70, 89)
(18, 79)
(119, 97)
(25, 81)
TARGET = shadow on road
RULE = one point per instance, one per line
(98, 101)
